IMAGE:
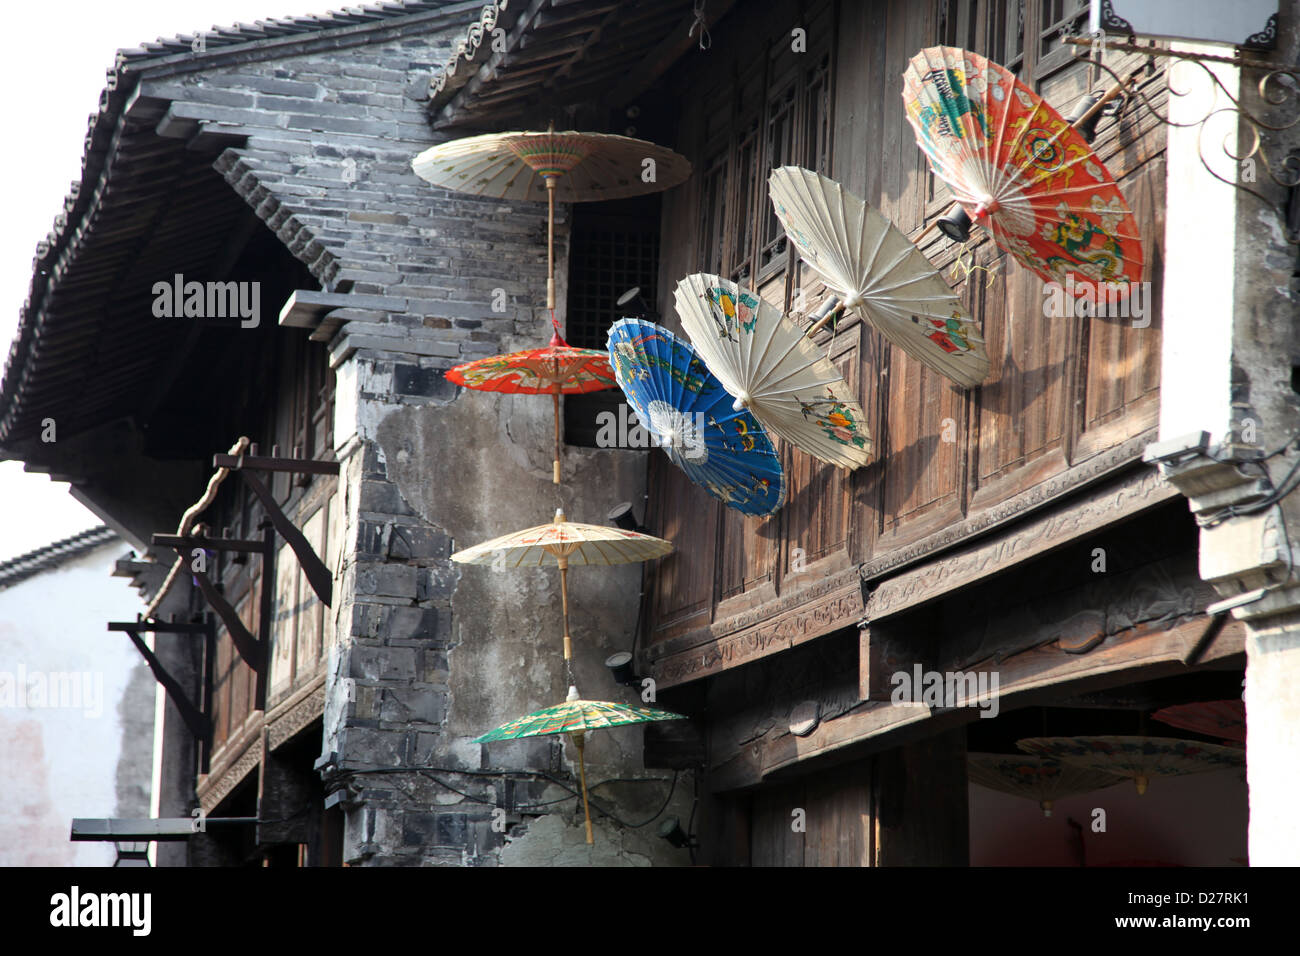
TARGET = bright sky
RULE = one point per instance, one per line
(53, 69)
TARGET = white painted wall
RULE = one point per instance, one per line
(1200, 255)
(57, 763)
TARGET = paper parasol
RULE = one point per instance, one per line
(560, 544)
(771, 368)
(691, 417)
(568, 166)
(877, 272)
(1019, 168)
(558, 369)
(1040, 779)
(1137, 757)
(575, 717)
(1225, 719)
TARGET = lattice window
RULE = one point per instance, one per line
(608, 257)
(780, 117)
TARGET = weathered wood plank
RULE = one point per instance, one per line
(1085, 516)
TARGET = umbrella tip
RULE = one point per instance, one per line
(742, 401)
(573, 692)
(559, 516)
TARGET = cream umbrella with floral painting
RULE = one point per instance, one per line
(561, 544)
(552, 165)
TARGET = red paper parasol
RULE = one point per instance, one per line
(1018, 168)
(554, 370)
(1225, 719)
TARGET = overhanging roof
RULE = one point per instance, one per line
(146, 206)
(563, 52)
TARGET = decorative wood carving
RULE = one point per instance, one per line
(289, 718)
(811, 612)
(1043, 494)
(219, 784)
(1083, 516)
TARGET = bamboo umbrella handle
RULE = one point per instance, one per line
(1109, 95)
(564, 604)
(555, 404)
(550, 246)
(582, 776)
(821, 323)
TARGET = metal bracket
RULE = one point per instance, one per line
(1278, 85)
(198, 722)
(318, 576)
(249, 647)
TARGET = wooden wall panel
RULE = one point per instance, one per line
(687, 516)
(1061, 389)
(1124, 360)
(817, 512)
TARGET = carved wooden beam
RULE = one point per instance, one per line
(829, 605)
(1076, 519)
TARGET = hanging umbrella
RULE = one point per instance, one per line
(691, 417)
(558, 369)
(560, 544)
(876, 271)
(771, 368)
(575, 717)
(1040, 779)
(568, 166)
(1225, 719)
(1021, 170)
(1138, 757)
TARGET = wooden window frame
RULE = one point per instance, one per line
(798, 95)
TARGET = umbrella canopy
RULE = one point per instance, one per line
(569, 166)
(554, 370)
(771, 368)
(1040, 779)
(1020, 169)
(692, 418)
(1225, 719)
(560, 544)
(876, 271)
(1137, 757)
(575, 717)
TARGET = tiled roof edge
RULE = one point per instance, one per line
(33, 562)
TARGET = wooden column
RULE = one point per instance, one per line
(919, 803)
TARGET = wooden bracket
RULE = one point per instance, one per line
(297, 466)
(196, 719)
(189, 542)
(317, 574)
(249, 647)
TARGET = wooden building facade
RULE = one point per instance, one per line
(937, 551)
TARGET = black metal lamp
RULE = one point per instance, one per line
(622, 516)
(671, 830)
(620, 668)
(633, 305)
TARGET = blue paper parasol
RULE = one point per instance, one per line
(692, 418)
